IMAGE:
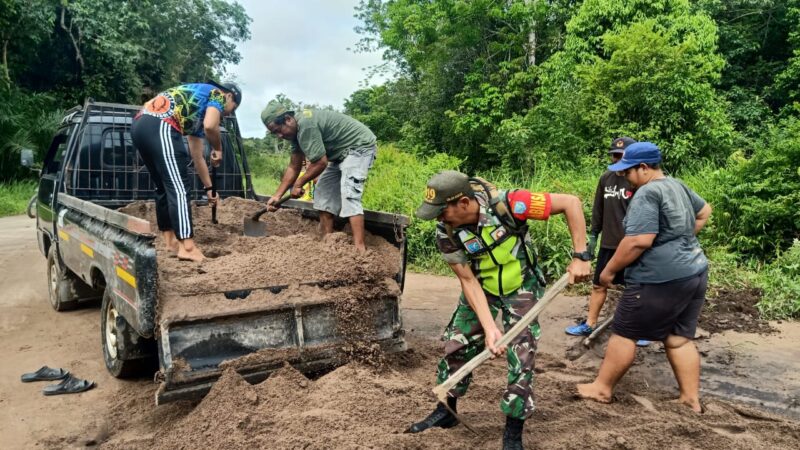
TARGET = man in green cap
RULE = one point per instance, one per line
(482, 233)
(340, 150)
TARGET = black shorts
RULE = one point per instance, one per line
(603, 257)
(655, 311)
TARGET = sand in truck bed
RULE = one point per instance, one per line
(293, 253)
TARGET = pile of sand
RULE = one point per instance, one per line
(358, 407)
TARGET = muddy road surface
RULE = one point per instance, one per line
(751, 384)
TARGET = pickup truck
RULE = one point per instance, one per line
(95, 252)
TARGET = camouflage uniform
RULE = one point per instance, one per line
(464, 334)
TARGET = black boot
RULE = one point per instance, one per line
(440, 417)
(512, 437)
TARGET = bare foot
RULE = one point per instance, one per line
(694, 404)
(170, 241)
(171, 246)
(361, 248)
(591, 391)
(187, 251)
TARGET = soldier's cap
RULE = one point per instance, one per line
(234, 89)
(638, 153)
(446, 186)
(272, 111)
(619, 144)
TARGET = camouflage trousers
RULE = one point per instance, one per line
(464, 339)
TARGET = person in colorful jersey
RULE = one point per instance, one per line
(340, 151)
(611, 200)
(195, 111)
(482, 234)
(666, 274)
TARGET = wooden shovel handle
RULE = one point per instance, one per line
(441, 390)
(261, 212)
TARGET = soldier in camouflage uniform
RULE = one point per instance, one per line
(482, 233)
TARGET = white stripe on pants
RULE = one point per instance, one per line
(184, 228)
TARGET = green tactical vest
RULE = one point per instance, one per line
(500, 255)
(497, 256)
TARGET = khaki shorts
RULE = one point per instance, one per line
(341, 184)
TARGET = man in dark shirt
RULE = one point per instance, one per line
(611, 200)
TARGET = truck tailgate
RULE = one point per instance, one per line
(309, 335)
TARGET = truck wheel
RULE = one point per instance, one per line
(59, 286)
(112, 329)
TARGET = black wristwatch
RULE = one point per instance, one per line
(583, 256)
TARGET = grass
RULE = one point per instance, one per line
(266, 170)
(14, 197)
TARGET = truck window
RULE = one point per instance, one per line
(55, 154)
(118, 150)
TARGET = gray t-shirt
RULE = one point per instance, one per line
(665, 207)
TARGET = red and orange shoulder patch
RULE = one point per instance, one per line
(529, 205)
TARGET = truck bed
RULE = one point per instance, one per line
(257, 302)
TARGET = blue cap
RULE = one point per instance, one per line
(638, 153)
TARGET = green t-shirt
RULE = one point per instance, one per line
(329, 133)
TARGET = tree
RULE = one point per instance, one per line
(23, 25)
(469, 64)
(650, 74)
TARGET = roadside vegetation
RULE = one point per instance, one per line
(14, 197)
(524, 93)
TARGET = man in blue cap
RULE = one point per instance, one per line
(611, 199)
(666, 274)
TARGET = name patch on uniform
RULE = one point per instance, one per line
(473, 245)
(498, 234)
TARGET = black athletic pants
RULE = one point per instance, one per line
(166, 158)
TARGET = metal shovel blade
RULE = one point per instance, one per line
(255, 228)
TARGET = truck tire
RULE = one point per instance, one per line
(114, 330)
(60, 284)
(31, 210)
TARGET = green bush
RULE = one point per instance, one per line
(756, 198)
(266, 170)
(396, 184)
(14, 197)
(781, 285)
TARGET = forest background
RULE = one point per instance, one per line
(526, 93)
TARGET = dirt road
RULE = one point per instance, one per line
(760, 370)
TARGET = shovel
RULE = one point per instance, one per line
(253, 227)
(214, 194)
(440, 391)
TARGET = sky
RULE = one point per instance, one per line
(299, 49)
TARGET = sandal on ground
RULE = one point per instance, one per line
(44, 374)
(71, 385)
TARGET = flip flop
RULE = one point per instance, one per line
(71, 385)
(44, 374)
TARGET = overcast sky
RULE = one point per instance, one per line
(299, 49)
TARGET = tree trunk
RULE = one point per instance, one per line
(7, 76)
(531, 50)
(78, 56)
